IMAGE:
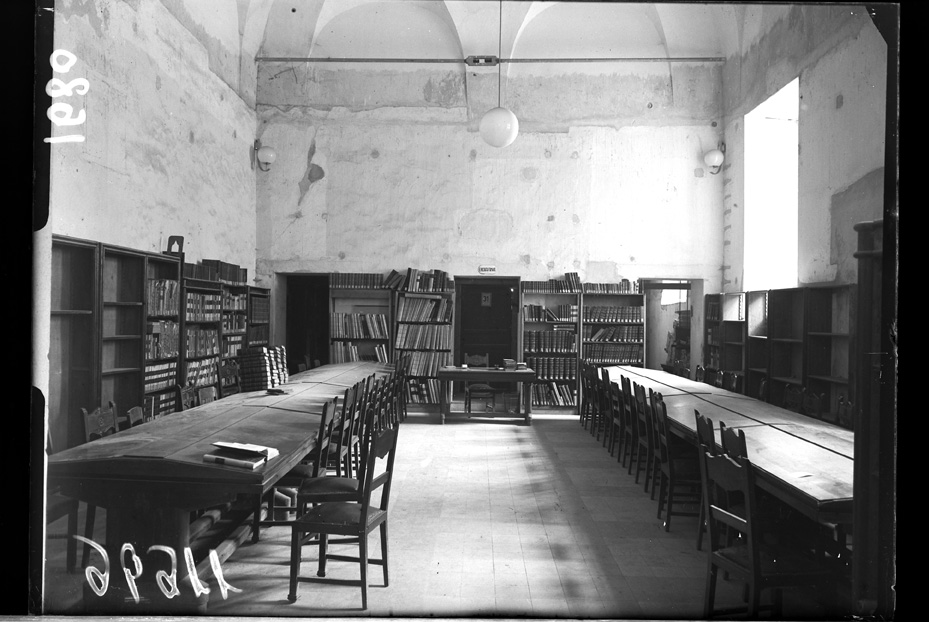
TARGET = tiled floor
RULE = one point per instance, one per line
(490, 517)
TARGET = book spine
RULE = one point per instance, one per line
(245, 464)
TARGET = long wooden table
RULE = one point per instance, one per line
(151, 476)
(807, 463)
(449, 374)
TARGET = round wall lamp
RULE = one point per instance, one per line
(265, 156)
(715, 158)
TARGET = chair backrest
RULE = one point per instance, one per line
(628, 404)
(812, 403)
(718, 379)
(733, 441)
(617, 405)
(701, 373)
(205, 395)
(733, 382)
(99, 423)
(706, 436)
(187, 396)
(135, 416)
(602, 375)
(727, 480)
(324, 438)
(643, 415)
(763, 390)
(379, 451)
(793, 399)
(845, 413)
(477, 360)
(660, 425)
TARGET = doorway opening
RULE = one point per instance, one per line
(307, 321)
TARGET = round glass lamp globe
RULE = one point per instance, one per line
(499, 127)
(714, 157)
(267, 155)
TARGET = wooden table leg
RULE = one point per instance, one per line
(443, 399)
(527, 396)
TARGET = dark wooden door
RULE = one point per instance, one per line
(487, 318)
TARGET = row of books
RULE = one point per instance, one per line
(624, 334)
(259, 308)
(262, 367)
(159, 404)
(613, 315)
(614, 354)
(202, 341)
(570, 285)
(232, 344)
(162, 340)
(160, 376)
(202, 373)
(713, 337)
(417, 280)
(549, 341)
(346, 351)
(424, 310)
(355, 280)
(552, 394)
(234, 323)
(553, 367)
(713, 313)
(558, 313)
(424, 336)
(203, 307)
(164, 297)
(423, 391)
(226, 272)
(258, 335)
(234, 302)
(358, 326)
(625, 286)
(427, 363)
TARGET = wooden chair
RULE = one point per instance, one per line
(617, 418)
(601, 384)
(205, 395)
(99, 423)
(732, 381)
(748, 558)
(793, 398)
(701, 374)
(354, 520)
(135, 416)
(645, 443)
(679, 469)
(763, 390)
(706, 442)
(811, 404)
(732, 441)
(187, 396)
(630, 443)
(718, 379)
(845, 414)
(479, 390)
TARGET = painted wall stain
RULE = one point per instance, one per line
(473, 155)
(341, 254)
(88, 9)
(525, 259)
(530, 173)
(444, 92)
(296, 215)
(550, 265)
(839, 101)
(574, 155)
(313, 173)
(375, 154)
(550, 218)
(698, 172)
(157, 83)
(548, 153)
(190, 137)
(576, 219)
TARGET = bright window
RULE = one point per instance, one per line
(771, 173)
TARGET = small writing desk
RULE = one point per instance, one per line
(807, 463)
(449, 374)
(151, 476)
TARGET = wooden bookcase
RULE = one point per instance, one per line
(203, 318)
(786, 313)
(732, 330)
(233, 331)
(613, 324)
(360, 318)
(712, 333)
(424, 331)
(828, 343)
(756, 352)
(115, 333)
(551, 340)
(73, 348)
(258, 328)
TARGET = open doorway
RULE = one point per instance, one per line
(674, 324)
(307, 321)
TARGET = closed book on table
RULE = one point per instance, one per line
(231, 457)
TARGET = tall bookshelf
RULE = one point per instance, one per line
(732, 330)
(233, 331)
(163, 333)
(203, 317)
(73, 351)
(423, 329)
(551, 329)
(613, 323)
(828, 343)
(359, 318)
(756, 331)
(712, 333)
(258, 327)
(786, 313)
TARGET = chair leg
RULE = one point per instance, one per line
(384, 551)
(662, 492)
(710, 592)
(667, 519)
(701, 524)
(295, 555)
(72, 543)
(363, 562)
(323, 547)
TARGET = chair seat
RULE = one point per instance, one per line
(336, 517)
(322, 489)
(775, 562)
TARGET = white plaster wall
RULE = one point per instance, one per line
(168, 142)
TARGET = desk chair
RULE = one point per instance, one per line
(58, 506)
(845, 415)
(678, 476)
(793, 398)
(701, 374)
(205, 395)
(187, 396)
(706, 442)
(354, 520)
(645, 450)
(99, 423)
(135, 416)
(479, 390)
(747, 558)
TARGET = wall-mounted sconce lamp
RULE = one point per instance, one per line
(714, 158)
(265, 156)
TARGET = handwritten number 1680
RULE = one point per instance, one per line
(61, 113)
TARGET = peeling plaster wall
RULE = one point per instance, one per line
(379, 170)
(168, 140)
(841, 60)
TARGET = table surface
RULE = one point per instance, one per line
(450, 372)
(806, 462)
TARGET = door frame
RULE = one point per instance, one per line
(516, 323)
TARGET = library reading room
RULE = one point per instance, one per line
(593, 303)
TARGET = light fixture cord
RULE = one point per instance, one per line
(499, 53)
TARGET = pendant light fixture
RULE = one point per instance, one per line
(499, 126)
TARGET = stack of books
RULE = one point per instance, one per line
(241, 455)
